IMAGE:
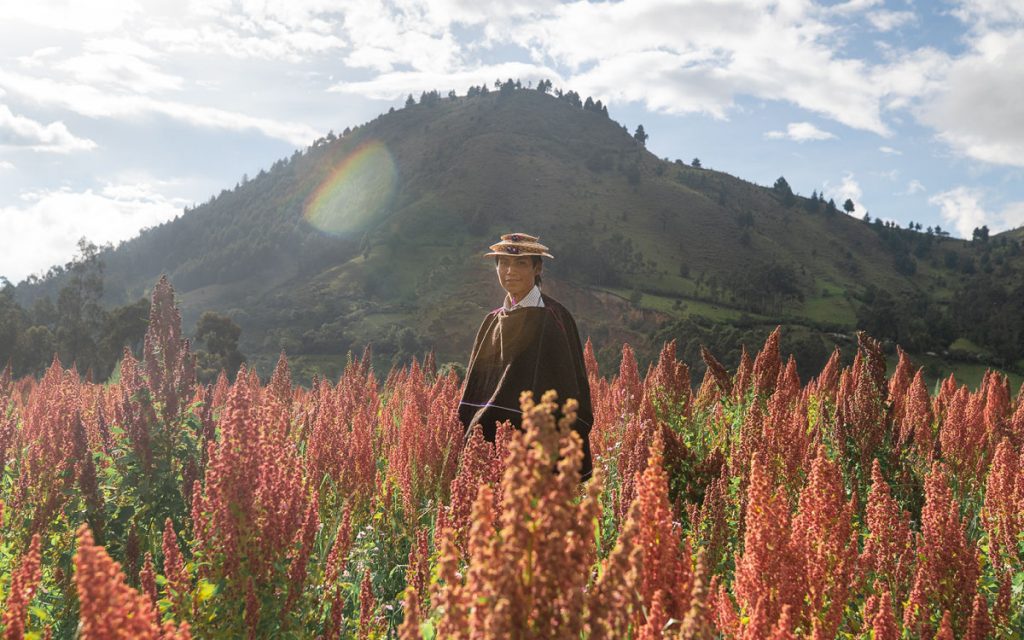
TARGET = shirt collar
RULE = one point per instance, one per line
(531, 299)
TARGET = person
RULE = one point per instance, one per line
(530, 343)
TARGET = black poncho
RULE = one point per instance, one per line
(527, 349)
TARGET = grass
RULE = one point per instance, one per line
(964, 345)
(690, 306)
(937, 369)
(833, 308)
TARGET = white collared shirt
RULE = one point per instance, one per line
(531, 299)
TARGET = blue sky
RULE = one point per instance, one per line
(116, 114)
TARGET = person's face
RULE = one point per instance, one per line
(516, 274)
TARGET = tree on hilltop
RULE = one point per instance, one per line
(430, 97)
(811, 205)
(640, 135)
(595, 106)
(784, 192)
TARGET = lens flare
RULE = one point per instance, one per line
(356, 192)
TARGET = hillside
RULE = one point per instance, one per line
(376, 237)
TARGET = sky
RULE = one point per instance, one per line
(115, 115)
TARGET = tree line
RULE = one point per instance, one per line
(75, 327)
(505, 87)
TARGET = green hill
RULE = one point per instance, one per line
(376, 237)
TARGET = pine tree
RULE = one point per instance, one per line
(640, 135)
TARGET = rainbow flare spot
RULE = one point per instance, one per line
(360, 188)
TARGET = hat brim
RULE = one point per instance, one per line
(521, 254)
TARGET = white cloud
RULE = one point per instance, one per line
(663, 81)
(471, 12)
(291, 31)
(700, 56)
(384, 38)
(266, 29)
(987, 13)
(914, 187)
(391, 86)
(977, 110)
(1013, 216)
(848, 188)
(890, 150)
(270, 15)
(25, 133)
(909, 76)
(290, 46)
(4, 165)
(38, 57)
(45, 230)
(854, 6)
(95, 16)
(95, 103)
(889, 20)
(119, 71)
(964, 208)
(120, 46)
(800, 132)
(976, 106)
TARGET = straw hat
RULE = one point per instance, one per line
(519, 244)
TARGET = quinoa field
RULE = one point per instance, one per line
(751, 504)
